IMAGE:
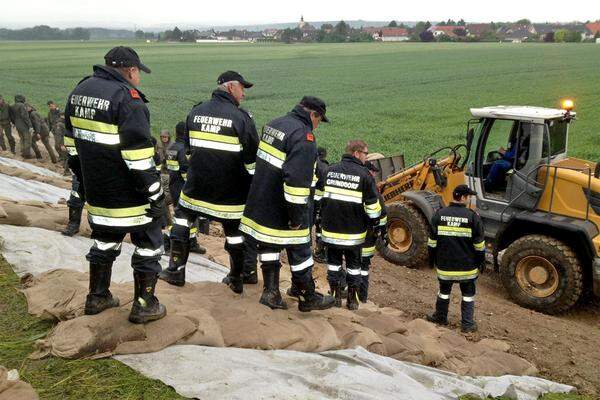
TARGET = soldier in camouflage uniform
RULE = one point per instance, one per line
(41, 132)
(22, 121)
(53, 119)
(5, 127)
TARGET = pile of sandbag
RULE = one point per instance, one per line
(11, 388)
(208, 313)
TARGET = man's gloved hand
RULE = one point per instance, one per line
(157, 207)
(383, 234)
(31, 130)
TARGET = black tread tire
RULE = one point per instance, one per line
(561, 255)
(417, 254)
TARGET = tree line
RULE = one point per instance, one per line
(44, 32)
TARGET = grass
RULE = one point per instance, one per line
(401, 98)
(56, 378)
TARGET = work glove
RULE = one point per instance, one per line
(383, 234)
(157, 207)
(31, 130)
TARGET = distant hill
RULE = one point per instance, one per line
(104, 33)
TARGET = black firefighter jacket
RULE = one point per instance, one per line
(456, 242)
(350, 203)
(280, 192)
(110, 150)
(223, 140)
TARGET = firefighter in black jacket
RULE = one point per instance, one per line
(223, 142)
(457, 251)
(277, 214)
(373, 233)
(320, 172)
(350, 207)
(107, 117)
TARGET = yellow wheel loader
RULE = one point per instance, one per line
(541, 208)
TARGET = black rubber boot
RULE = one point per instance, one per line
(175, 272)
(363, 291)
(352, 299)
(196, 248)
(74, 221)
(99, 298)
(271, 296)
(467, 323)
(336, 293)
(146, 306)
(293, 291)
(440, 316)
(310, 300)
(235, 280)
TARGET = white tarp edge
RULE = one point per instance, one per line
(30, 167)
(36, 250)
(16, 188)
(231, 373)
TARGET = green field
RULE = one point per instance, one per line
(401, 98)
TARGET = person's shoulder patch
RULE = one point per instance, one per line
(134, 94)
(310, 137)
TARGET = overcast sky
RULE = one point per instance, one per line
(153, 13)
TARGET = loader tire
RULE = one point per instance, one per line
(542, 273)
(408, 231)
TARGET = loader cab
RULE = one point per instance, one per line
(507, 151)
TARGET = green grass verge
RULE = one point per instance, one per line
(56, 378)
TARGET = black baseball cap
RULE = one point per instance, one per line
(122, 56)
(229, 76)
(463, 190)
(315, 104)
(371, 167)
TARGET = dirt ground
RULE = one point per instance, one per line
(565, 348)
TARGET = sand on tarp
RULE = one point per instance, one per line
(40, 214)
(58, 181)
(208, 313)
(12, 388)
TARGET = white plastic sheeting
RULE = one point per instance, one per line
(35, 250)
(14, 188)
(30, 167)
(231, 373)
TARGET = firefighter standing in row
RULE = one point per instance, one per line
(107, 117)
(350, 207)
(457, 251)
(374, 233)
(223, 143)
(277, 214)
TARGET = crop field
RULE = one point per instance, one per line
(400, 98)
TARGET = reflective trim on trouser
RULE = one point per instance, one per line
(351, 255)
(334, 268)
(303, 265)
(148, 242)
(467, 287)
(269, 257)
(443, 296)
(468, 298)
(235, 239)
(364, 272)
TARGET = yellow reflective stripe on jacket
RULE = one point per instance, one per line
(383, 221)
(454, 231)
(69, 141)
(431, 242)
(373, 210)
(343, 239)
(367, 251)
(288, 233)
(214, 137)
(70, 146)
(117, 212)
(96, 126)
(264, 146)
(173, 165)
(345, 192)
(457, 274)
(250, 168)
(296, 191)
(216, 210)
(479, 246)
(138, 154)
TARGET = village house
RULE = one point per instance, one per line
(448, 30)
